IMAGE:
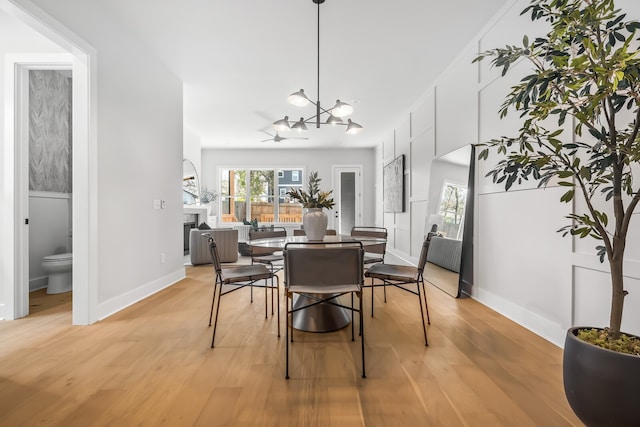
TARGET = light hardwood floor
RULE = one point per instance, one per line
(151, 364)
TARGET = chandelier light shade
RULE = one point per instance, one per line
(300, 126)
(341, 109)
(300, 99)
(282, 124)
(333, 120)
(353, 128)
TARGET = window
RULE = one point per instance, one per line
(250, 194)
(452, 204)
(233, 195)
(261, 186)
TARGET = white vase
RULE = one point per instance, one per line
(315, 222)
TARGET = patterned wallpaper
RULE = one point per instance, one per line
(49, 132)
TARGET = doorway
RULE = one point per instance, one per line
(347, 189)
(75, 54)
(45, 96)
(43, 110)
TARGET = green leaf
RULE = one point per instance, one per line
(568, 196)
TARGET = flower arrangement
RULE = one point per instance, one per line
(207, 195)
(313, 197)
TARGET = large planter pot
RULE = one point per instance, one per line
(601, 385)
(315, 222)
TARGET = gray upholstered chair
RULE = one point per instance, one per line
(238, 278)
(226, 240)
(322, 272)
(402, 277)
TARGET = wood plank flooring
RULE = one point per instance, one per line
(151, 365)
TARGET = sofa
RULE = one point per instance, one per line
(226, 239)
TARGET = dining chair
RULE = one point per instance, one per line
(300, 232)
(374, 253)
(401, 277)
(322, 272)
(238, 278)
(268, 256)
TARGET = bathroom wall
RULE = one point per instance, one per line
(49, 131)
(49, 169)
(49, 231)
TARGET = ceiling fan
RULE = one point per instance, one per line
(278, 138)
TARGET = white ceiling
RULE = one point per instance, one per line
(240, 59)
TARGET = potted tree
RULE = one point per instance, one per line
(315, 220)
(585, 76)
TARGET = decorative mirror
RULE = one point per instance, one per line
(190, 183)
(450, 217)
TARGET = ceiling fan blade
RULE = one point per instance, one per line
(297, 137)
(269, 139)
(264, 116)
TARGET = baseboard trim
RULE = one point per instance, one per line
(541, 326)
(38, 283)
(119, 303)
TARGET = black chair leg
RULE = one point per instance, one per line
(266, 298)
(424, 328)
(271, 265)
(278, 301)
(352, 319)
(215, 323)
(213, 300)
(286, 374)
(292, 313)
(372, 287)
(424, 292)
(362, 333)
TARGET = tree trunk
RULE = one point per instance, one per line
(617, 289)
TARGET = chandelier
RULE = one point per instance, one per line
(333, 116)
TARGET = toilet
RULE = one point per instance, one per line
(58, 267)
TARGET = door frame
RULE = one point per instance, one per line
(21, 118)
(335, 176)
(15, 273)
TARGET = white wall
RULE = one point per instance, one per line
(139, 159)
(310, 160)
(523, 268)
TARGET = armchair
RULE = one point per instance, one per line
(226, 240)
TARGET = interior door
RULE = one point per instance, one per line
(347, 192)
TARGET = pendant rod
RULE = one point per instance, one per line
(318, 82)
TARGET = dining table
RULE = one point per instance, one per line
(323, 317)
